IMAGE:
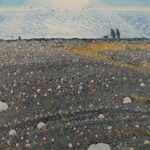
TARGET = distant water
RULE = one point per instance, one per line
(66, 24)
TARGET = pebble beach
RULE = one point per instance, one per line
(62, 94)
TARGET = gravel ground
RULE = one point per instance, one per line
(79, 99)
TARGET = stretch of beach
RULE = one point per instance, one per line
(62, 94)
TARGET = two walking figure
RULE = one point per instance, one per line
(115, 35)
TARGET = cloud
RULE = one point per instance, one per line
(70, 4)
(66, 4)
(77, 4)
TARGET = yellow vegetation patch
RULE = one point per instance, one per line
(109, 45)
(136, 46)
(100, 46)
(141, 99)
(145, 64)
(93, 49)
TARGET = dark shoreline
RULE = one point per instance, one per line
(77, 39)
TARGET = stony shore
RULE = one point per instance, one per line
(82, 92)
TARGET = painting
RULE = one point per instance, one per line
(74, 74)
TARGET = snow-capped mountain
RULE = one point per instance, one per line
(65, 24)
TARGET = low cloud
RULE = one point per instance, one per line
(67, 4)
(70, 4)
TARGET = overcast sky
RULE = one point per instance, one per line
(77, 4)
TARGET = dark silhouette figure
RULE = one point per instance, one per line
(112, 34)
(106, 37)
(19, 38)
(118, 34)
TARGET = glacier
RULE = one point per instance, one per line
(51, 23)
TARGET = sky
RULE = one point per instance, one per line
(77, 4)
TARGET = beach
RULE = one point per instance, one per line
(83, 91)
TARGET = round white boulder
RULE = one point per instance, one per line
(127, 100)
(142, 84)
(3, 106)
(41, 125)
(99, 146)
(12, 133)
(101, 116)
(146, 142)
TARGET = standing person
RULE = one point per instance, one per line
(112, 34)
(118, 34)
(19, 38)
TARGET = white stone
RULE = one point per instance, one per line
(11, 91)
(52, 140)
(44, 138)
(28, 145)
(137, 126)
(12, 133)
(127, 100)
(113, 78)
(62, 79)
(41, 125)
(125, 78)
(140, 80)
(107, 85)
(101, 116)
(96, 136)
(45, 95)
(146, 142)
(109, 127)
(49, 89)
(3, 106)
(35, 96)
(31, 72)
(142, 84)
(38, 90)
(91, 105)
(78, 144)
(38, 103)
(58, 87)
(70, 145)
(80, 87)
(99, 146)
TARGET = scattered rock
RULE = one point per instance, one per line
(41, 126)
(142, 84)
(70, 145)
(109, 127)
(92, 81)
(137, 126)
(52, 140)
(28, 145)
(99, 146)
(101, 116)
(38, 90)
(146, 142)
(12, 133)
(140, 80)
(3, 106)
(58, 87)
(124, 78)
(127, 100)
